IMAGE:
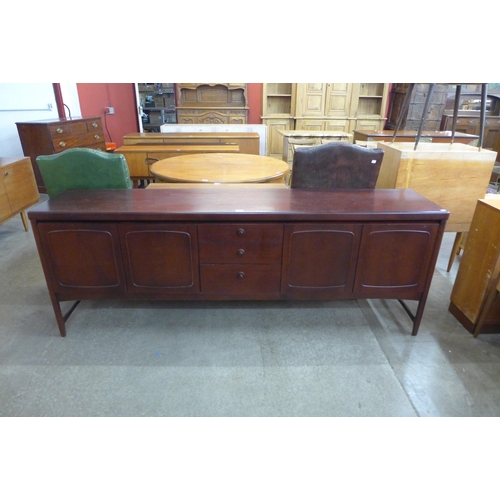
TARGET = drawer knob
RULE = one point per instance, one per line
(59, 130)
(240, 231)
(62, 144)
(96, 136)
(94, 124)
(241, 252)
(240, 275)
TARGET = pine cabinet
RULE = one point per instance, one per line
(341, 106)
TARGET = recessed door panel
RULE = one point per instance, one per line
(160, 257)
(320, 259)
(83, 256)
(394, 259)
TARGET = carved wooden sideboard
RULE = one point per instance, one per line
(212, 103)
(238, 244)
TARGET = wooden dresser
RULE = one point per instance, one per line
(220, 103)
(238, 244)
(18, 190)
(46, 137)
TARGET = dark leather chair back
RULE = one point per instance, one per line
(336, 165)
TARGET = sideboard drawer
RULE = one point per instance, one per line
(240, 279)
(240, 243)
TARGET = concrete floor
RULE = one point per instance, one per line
(344, 358)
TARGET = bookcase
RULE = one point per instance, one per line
(278, 107)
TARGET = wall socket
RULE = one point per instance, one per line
(109, 111)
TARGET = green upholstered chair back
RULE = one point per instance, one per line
(83, 168)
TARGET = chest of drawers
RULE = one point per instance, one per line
(245, 244)
(46, 137)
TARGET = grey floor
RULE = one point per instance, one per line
(344, 358)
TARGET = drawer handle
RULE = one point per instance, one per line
(240, 275)
(241, 252)
(6, 174)
(59, 130)
(96, 136)
(240, 231)
(94, 124)
(62, 144)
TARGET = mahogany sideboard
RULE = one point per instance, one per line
(228, 244)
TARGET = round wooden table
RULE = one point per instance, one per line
(221, 168)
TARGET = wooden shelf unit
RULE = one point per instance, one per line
(278, 107)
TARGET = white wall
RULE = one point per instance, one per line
(26, 102)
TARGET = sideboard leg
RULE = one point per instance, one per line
(417, 317)
(60, 317)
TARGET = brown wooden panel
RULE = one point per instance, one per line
(83, 256)
(240, 243)
(160, 257)
(320, 258)
(234, 279)
(394, 259)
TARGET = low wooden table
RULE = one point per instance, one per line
(220, 168)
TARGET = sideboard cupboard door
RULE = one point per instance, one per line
(319, 260)
(394, 260)
(82, 258)
(160, 258)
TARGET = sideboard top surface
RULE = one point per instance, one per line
(191, 204)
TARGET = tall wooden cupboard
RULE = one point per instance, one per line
(342, 107)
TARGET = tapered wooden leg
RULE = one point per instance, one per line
(25, 220)
(454, 250)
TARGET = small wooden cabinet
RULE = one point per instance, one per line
(454, 176)
(46, 137)
(18, 190)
